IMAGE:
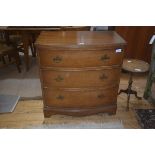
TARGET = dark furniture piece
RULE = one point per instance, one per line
(80, 71)
(138, 38)
(150, 86)
(9, 52)
(133, 66)
(28, 35)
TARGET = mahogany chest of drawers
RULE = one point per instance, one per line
(80, 71)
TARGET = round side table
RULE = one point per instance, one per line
(133, 66)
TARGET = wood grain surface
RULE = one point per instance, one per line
(78, 57)
(62, 39)
(77, 78)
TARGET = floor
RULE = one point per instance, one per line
(25, 84)
(29, 112)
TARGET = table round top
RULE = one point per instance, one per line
(135, 66)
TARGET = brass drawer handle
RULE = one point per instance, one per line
(103, 77)
(57, 59)
(104, 57)
(60, 97)
(101, 96)
(59, 78)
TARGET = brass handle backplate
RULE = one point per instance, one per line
(103, 77)
(60, 97)
(59, 78)
(57, 59)
(100, 96)
(104, 57)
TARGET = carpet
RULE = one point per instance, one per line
(146, 118)
(82, 125)
(8, 103)
(25, 84)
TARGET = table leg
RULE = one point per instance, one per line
(31, 42)
(129, 91)
(25, 40)
(17, 59)
(135, 93)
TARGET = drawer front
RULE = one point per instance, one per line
(76, 79)
(79, 58)
(80, 99)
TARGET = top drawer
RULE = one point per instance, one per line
(79, 58)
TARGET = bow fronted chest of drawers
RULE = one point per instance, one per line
(80, 71)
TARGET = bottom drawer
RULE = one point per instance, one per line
(80, 98)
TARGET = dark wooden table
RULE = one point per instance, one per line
(26, 32)
(133, 66)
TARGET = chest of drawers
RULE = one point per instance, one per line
(80, 71)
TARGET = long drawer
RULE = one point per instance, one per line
(80, 78)
(82, 98)
(51, 58)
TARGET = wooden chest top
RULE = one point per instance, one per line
(80, 39)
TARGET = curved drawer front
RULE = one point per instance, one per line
(79, 58)
(80, 99)
(77, 79)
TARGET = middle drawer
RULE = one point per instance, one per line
(80, 78)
